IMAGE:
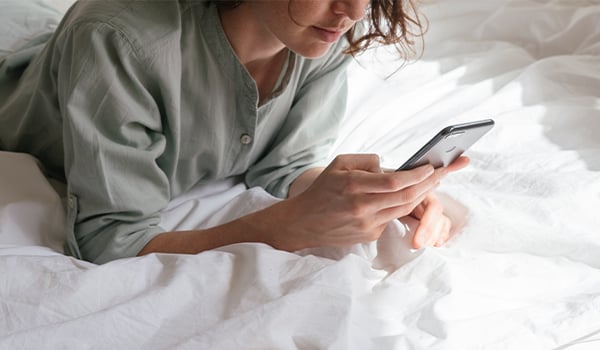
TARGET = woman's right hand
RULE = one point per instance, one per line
(350, 202)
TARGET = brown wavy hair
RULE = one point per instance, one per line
(389, 22)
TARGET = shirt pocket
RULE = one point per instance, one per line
(71, 246)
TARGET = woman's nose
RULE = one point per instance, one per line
(353, 9)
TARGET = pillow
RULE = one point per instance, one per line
(31, 210)
(60, 5)
(22, 21)
(25, 25)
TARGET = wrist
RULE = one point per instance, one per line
(276, 226)
(303, 181)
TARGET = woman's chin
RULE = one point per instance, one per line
(314, 51)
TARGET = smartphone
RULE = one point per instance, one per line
(448, 144)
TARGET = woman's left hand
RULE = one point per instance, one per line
(434, 226)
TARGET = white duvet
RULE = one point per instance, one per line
(523, 274)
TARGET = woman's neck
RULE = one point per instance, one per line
(257, 48)
(252, 42)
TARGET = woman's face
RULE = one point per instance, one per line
(309, 27)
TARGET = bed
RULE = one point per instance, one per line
(524, 273)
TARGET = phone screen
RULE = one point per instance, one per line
(448, 144)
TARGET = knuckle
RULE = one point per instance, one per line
(440, 173)
(340, 159)
(350, 184)
(356, 208)
(364, 227)
(391, 182)
(372, 157)
(403, 210)
(409, 195)
(373, 235)
(368, 232)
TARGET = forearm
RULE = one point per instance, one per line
(264, 226)
(196, 241)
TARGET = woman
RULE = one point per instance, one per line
(135, 102)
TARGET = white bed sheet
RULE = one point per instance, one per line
(524, 274)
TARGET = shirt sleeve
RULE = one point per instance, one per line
(113, 142)
(310, 128)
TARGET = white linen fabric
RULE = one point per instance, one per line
(31, 211)
(523, 274)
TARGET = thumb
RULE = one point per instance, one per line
(366, 162)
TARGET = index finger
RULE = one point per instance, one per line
(458, 164)
(391, 182)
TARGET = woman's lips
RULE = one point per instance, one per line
(328, 35)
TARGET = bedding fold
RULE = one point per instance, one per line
(524, 273)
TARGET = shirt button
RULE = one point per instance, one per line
(246, 139)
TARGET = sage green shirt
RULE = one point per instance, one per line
(134, 102)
